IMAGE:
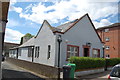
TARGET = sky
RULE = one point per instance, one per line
(26, 16)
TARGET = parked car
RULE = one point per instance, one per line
(115, 73)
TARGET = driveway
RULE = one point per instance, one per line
(12, 72)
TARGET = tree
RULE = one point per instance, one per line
(26, 35)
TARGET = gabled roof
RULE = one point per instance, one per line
(67, 26)
(45, 21)
(60, 29)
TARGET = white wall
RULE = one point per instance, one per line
(13, 53)
(45, 38)
(78, 35)
(24, 55)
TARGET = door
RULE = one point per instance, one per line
(86, 52)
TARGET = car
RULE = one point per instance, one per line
(115, 73)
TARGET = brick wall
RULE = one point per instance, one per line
(113, 43)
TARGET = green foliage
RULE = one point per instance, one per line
(28, 35)
(112, 61)
(87, 62)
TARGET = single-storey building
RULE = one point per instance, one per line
(79, 38)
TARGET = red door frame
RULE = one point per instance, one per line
(85, 46)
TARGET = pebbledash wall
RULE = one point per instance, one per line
(44, 38)
(78, 33)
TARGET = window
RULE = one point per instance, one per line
(107, 56)
(72, 51)
(107, 47)
(106, 30)
(96, 53)
(107, 39)
(49, 49)
(37, 51)
(30, 52)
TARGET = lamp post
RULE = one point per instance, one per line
(59, 39)
(103, 50)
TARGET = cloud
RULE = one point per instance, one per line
(12, 2)
(12, 23)
(103, 22)
(13, 35)
(69, 8)
(13, 8)
(16, 9)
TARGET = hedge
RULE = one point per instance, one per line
(87, 62)
(112, 61)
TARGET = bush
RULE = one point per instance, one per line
(112, 61)
(87, 62)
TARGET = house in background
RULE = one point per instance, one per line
(7, 46)
(79, 38)
(110, 35)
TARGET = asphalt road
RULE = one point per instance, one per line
(12, 72)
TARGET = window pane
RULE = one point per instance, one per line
(68, 48)
(49, 49)
(72, 49)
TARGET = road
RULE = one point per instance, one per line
(12, 72)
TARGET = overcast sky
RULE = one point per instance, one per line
(26, 16)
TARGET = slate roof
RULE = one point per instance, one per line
(110, 26)
(30, 42)
(66, 26)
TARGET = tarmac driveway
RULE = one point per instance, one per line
(12, 72)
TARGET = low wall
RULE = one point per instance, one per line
(45, 70)
(109, 68)
(87, 72)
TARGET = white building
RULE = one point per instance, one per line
(79, 38)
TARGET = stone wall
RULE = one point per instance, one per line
(41, 69)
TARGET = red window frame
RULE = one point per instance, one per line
(98, 51)
(71, 46)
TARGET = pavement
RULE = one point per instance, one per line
(97, 76)
(13, 72)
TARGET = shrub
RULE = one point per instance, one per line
(87, 62)
(112, 61)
